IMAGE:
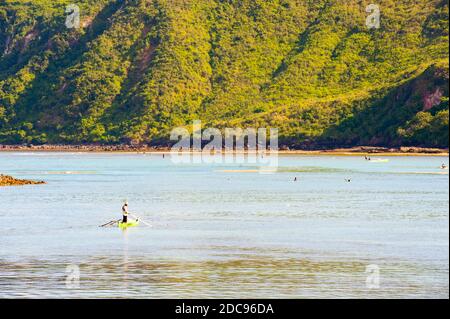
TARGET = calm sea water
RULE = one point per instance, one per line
(225, 230)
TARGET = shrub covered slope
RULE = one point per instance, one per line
(312, 68)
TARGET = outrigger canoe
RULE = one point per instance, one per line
(129, 224)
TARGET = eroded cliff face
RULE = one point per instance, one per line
(413, 113)
(134, 70)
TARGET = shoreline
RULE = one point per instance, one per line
(351, 151)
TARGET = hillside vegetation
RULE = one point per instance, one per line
(134, 70)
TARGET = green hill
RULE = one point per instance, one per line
(136, 69)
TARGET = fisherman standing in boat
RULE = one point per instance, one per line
(125, 213)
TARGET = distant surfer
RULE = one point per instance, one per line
(125, 213)
(443, 166)
(348, 180)
(295, 179)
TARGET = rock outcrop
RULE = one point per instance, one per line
(6, 180)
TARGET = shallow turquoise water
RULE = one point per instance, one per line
(218, 232)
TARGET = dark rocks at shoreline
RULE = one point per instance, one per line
(147, 148)
(420, 150)
(6, 180)
(80, 148)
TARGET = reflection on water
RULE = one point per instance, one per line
(225, 230)
(246, 277)
(125, 261)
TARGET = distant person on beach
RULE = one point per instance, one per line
(125, 213)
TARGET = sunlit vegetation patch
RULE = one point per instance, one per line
(136, 69)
